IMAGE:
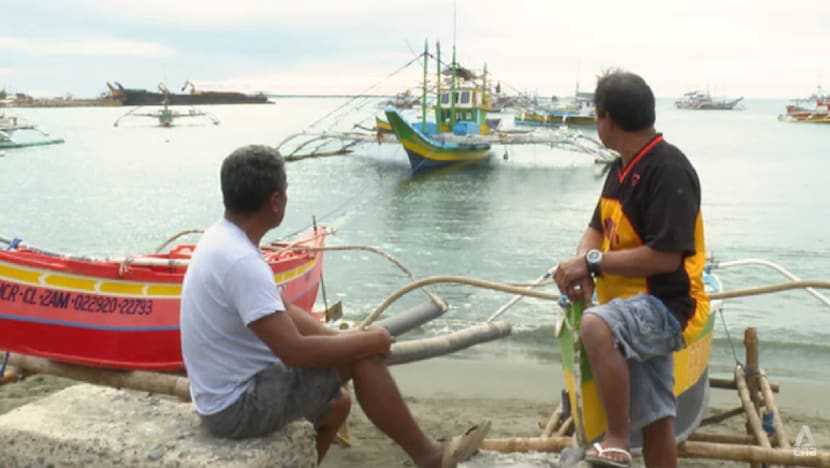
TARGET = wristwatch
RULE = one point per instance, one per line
(593, 259)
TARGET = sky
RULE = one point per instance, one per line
(751, 48)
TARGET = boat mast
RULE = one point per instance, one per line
(452, 81)
(484, 87)
(452, 91)
(424, 90)
(439, 120)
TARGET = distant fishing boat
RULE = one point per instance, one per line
(9, 125)
(121, 313)
(697, 100)
(142, 97)
(166, 116)
(403, 100)
(579, 111)
(382, 127)
(817, 114)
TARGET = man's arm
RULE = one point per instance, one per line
(640, 261)
(591, 239)
(285, 340)
(573, 272)
(306, 324)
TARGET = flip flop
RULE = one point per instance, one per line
(599, 460)
(462, 447)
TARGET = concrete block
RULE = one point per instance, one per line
(92, 426)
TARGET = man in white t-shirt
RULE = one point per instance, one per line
(255, 363)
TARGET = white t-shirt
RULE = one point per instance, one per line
(227, 286)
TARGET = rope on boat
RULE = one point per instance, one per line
(363, 93)
(729, 338)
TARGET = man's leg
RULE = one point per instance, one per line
(659, 445)
(610, 371)
(383, 404)
(337, 414)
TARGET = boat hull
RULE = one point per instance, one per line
(691, 383)
(553, 120)
(812, 118)
(8, 144)
(122, 315)
(141, 97)
(426, 153)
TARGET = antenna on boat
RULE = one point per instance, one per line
(452, 80)
(454, 24)
(439, 113)
(424, 90)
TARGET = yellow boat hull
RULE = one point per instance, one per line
(690, 385)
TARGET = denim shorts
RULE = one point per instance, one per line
(280, 395)
(647, 334)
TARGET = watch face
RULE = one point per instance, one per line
(593, 256)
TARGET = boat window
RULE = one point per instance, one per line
(445, 98)
(465, 97)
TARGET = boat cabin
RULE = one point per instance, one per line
(462, 107)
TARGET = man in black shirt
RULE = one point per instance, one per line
(645, 249)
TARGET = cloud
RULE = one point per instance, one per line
(85, 46)
(316, 15)
(317, 80)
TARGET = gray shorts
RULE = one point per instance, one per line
(280, 395)
(647, 334)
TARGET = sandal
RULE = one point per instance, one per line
(463, 447)
(600, 460)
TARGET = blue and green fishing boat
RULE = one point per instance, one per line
(457, 136)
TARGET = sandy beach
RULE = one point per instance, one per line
(447, 395)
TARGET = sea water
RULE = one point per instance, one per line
(124, 190)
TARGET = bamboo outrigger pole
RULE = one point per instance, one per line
(154, 382)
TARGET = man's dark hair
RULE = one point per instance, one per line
(626, 98)
(249, 176)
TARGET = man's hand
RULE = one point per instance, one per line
(573, 280)
(381, 339)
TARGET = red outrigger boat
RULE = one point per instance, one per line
(122, 313)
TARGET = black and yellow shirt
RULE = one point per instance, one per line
(655, 201)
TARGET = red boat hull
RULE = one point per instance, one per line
(121, 314)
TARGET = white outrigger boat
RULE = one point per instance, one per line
(165, 115)
(9, 125)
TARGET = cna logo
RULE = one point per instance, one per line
(805, 445)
